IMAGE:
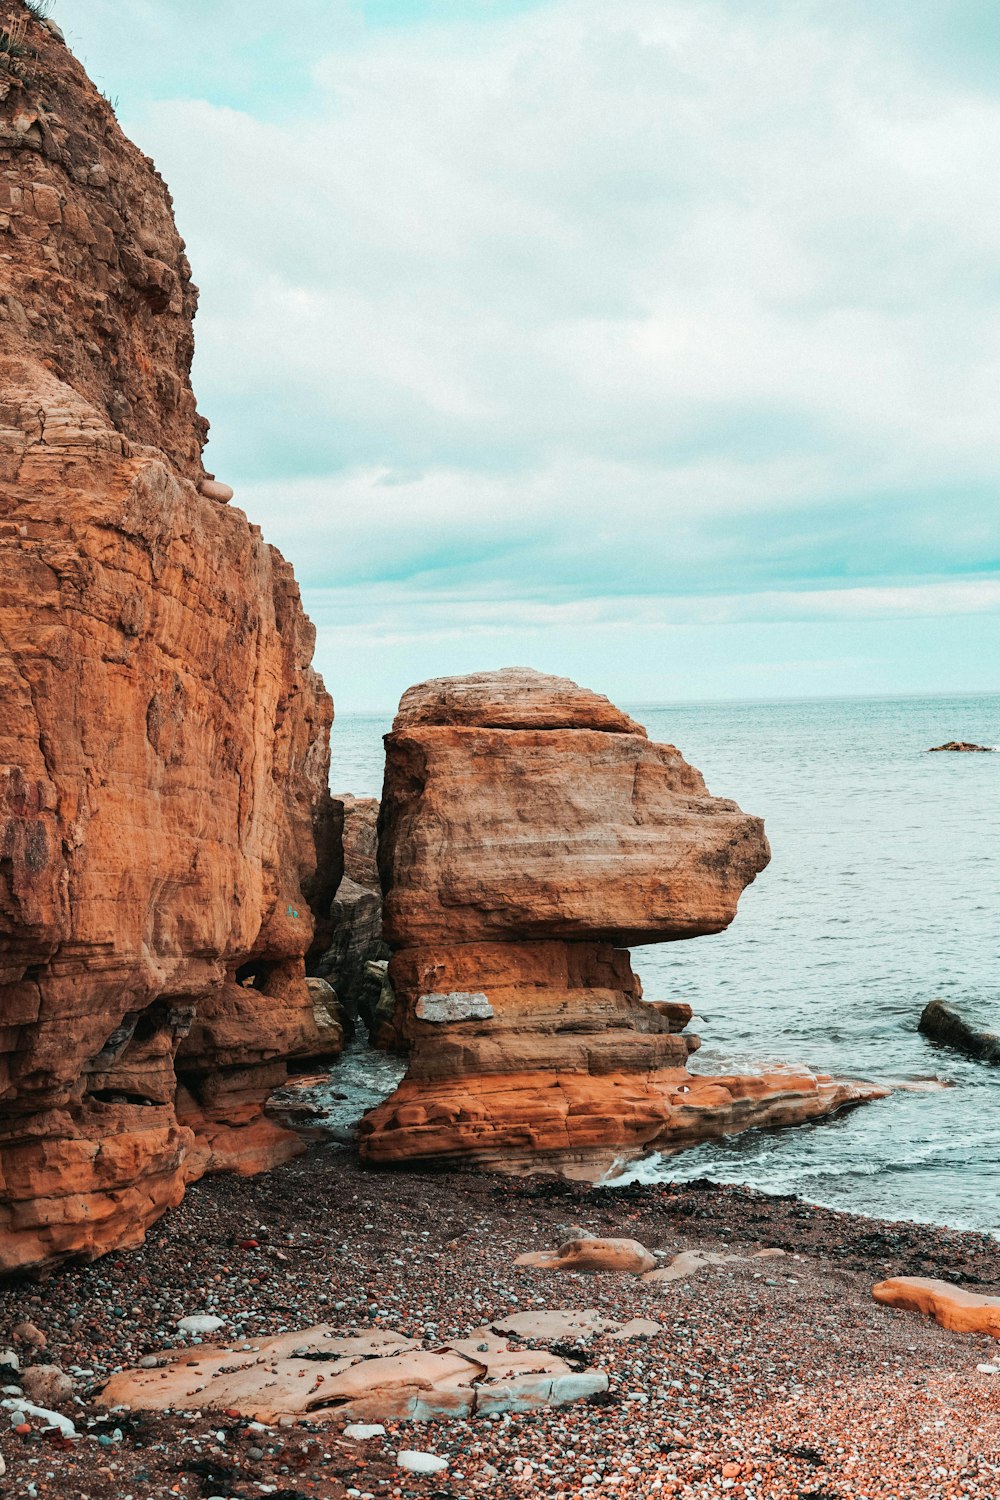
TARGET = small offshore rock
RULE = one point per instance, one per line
(961, 745)
(594, 1255)
(943, 1024)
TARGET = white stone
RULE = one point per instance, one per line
(420, 1463)
(361, 1431)
(458, 1005)
(988, 1369)
(53, 1418)
(204, 1323)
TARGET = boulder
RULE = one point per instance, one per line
(953, 1307)
(166, 831)
(943, 1024)
(529, 830)
(47, 1385)
(593, 1255)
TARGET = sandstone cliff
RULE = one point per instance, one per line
(529, 830)
(164, 742)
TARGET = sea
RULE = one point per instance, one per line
(882, 894)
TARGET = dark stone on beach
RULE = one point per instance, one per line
(961, 745)
(944, 1025)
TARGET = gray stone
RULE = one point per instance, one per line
(458, 1005)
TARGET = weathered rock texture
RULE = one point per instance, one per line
(320, 1374)
(529, 830)
(354, 955)
(164, 740)
(954, 1307)
(944, 1024)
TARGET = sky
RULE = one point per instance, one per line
(652, 343)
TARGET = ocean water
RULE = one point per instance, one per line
(882, 894)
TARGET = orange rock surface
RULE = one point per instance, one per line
(528, 831)
(164, 740)
(953, 1307)
(323, 1375)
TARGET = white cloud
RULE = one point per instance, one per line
(658, 298)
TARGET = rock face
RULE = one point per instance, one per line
(529, 830)
(164, 740)
(353, 957)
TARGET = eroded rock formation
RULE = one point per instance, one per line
(530, 831)
(354, 955)
(164, 741)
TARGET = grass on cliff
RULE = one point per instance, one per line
(38, 8)
(12, 43)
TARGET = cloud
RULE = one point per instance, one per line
(568, 301)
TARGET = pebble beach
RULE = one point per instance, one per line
(772, 1378)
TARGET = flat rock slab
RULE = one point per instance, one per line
(687, 1262)
(951, 1306)
(593, 1255)
(560, 1325)
(320, 1374)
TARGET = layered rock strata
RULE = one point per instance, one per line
(529, 832)
(353, 955)
(165, 825)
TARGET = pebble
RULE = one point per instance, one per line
(416, 1462)
(27, 1333)
(200, 1323)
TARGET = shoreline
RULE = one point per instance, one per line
(792, 1380)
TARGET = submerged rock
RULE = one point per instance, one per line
(943, 1024)
(528, 831)
(963, 745)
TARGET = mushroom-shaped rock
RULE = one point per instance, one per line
(529, 830)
